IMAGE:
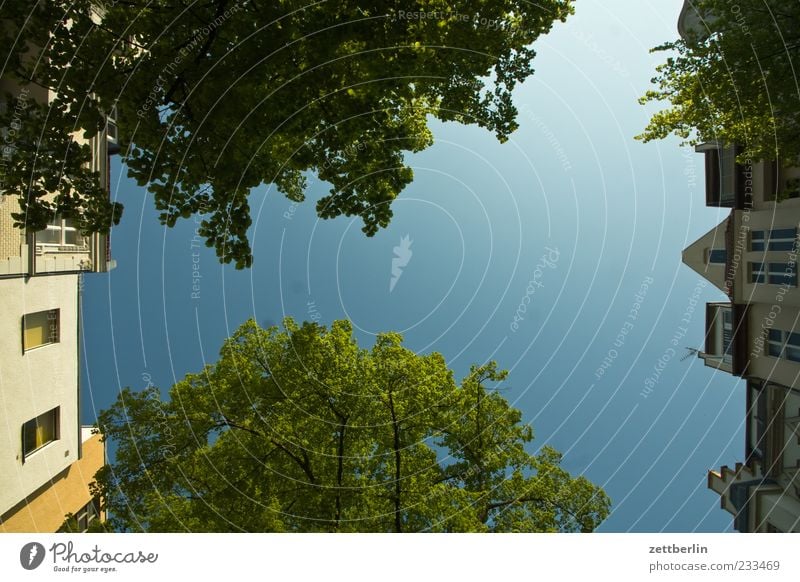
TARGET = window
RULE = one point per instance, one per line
(87, 515)
(773, 273)
(758, 412)
(60, 232)
(41, 430)
(783, 344)
(717, 256)
(40, 329)
(779, 239)
(727, 335)
(721, 171)
(81, 521)
(792, 189)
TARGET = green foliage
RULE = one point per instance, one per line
(40, 155)
(733, 82)
(216, 98)
(300, 429)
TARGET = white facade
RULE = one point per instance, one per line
(36, 381)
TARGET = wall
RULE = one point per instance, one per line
(68, 493)
(35, 382)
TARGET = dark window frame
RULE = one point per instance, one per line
(32, 424)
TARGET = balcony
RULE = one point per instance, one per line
(726, 338)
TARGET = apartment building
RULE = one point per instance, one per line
(47, 458)
(753, 331)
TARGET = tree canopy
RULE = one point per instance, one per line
(298, 429)
(213, 99)
(733, 80)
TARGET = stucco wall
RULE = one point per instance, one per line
(67, 494)
(35, 382)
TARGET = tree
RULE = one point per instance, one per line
(300, 429)
(213, 99)
(733, 80)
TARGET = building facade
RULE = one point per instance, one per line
(47, 459)
(753, 331)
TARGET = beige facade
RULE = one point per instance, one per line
(753, 331)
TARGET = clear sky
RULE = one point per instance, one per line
(549, 253)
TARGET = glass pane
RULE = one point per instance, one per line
(777, 279)
(757, 246)
(727, 317)
(45, 428)
(36, 328)
(41, 430)
(793, 354)
(784, 233)
(72, 237)
(49, 236)
(757, 235)
(717, 256)
(757, 272)
(52, 325)
(780, 273)
(29, 436)
(774, 350)
(782, 245)
(40, 328)
(776, 335)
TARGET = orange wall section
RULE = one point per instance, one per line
(67, 493)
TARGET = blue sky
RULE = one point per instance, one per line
(562, 227)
